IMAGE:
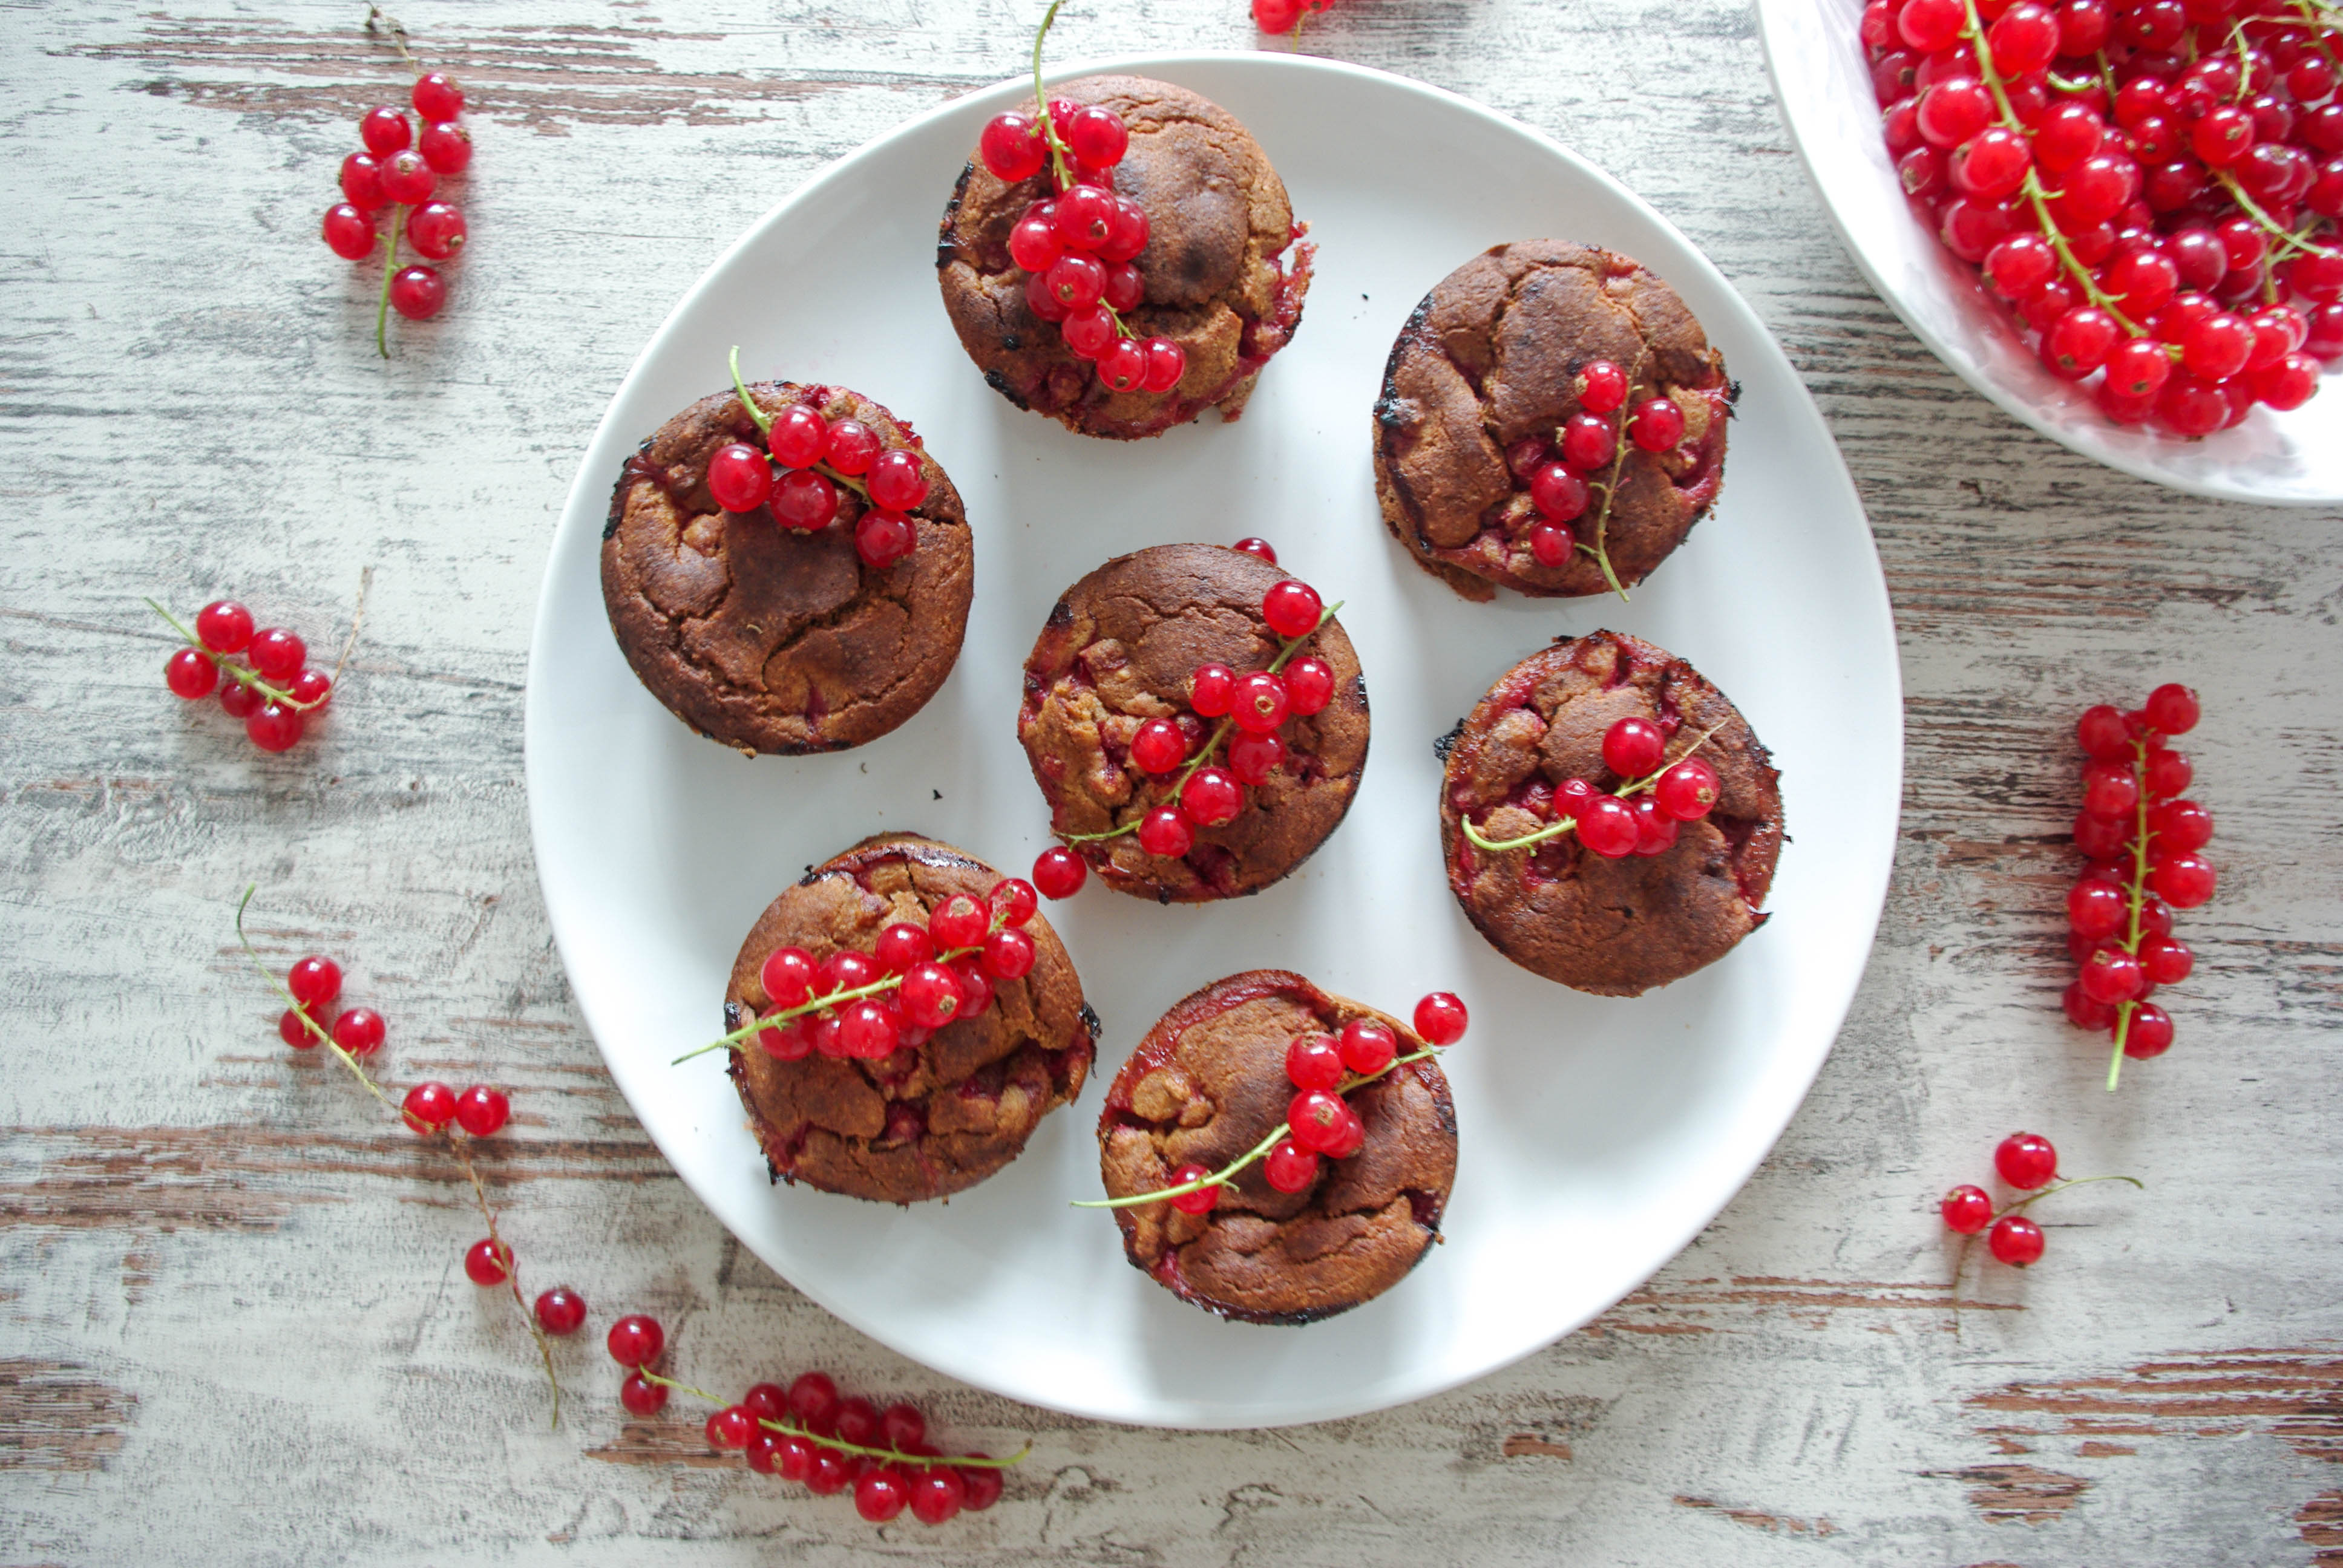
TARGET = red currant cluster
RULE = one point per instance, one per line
(2027, 1163)
(1642, 817)
(807, 1433)
(913, 981)
(1562, 471)
(1077, 246)
(270, 687)
(2142, 840)
(315, 983)
(1284, 16)
(400, 169)
(804, 461)
(2146, 180)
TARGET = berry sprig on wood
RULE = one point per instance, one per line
(2027, 1162)
(2152, 183)
(807, 1433)
(270, 685)
(914, 981)
(1655, 799)
(430, 1110)
(400, 172)
(2143, 842)
(1323, 1070)
(1077, 246)
(1579, 465)
(806, 460)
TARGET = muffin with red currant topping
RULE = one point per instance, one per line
(1609, 820)
(934, 1079)
(787, 575)
(1197, 720)
(1551, 419)
(1306, 1233)
(1120, 268)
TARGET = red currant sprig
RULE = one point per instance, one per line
(1285, 17)
(1077, 246)
(1563, 470)
(807, 1433)
(400, 169)
(270, 685)
(1323, 1070)
(804, 460)
(916, 980)
(1616, 825)
(2144, 843)
(2027, 1162)
(429, 1110)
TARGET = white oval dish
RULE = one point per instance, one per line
(1823, 86)
(1597, 1136)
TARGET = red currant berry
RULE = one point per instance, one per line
(1368, 1046)
(1558, 494)
(731, 1427)
(765, 1452)
(2181, 825)
(960, 921)
(829, 1474)
(1060, 873)
(438, 230)
(2025, 1161)
(813, 1397)
(2095, 909)
(489, 1262)
(740, 478)
(2222, 137)
(984, 1484)
(359, 1031)
(897, 481)
(789, 1041)
(857, 1423)
(1158, 745)
(1130, 234)
(436, 97)
(904, 1428)
(2101, 733)
(350, 232)
(1313, 1062)
(1656, 426)
(788, 977)
(1203, 1199)
(2083, 1012)
(1123, 367)
(1309, 686)
(2149, 1034)
(1034, 244)
(1011, 148)
(844, 971)
(1213, 690)
(362, 182)
(312, 688)
(1655, 830)
(1096, 136)
(224, 627)
(1085, 219)
(2164, 960)
(804, 500)
(1259, 548)
(1075, 283)
(2184, 881)
(1253, 757)
(1968, 1209)
(1633, 748)
(407, 178)
(1607, 826)
(2112, 975)
(880, 1495)
(1601, 386)
(798, 437)
(1292, 608)
(2168, 773)
(636, 1340)
(1165, 833)
(1290, 1167)
(190, 673)
(1550, 544)
(867, 1031)
(274, 727)
(641, 1396)
(240, 701)
(1440, 1018)
(1587, 442)
(1689, 791)
(1262, 702)
(2215, 347)
(902, 947)
(314, 980)
(1211, 797)
(2138, 369)
(2015, 1240)
(276, 655)
(1930, 25)
(293, 1031)
(2172, 709)
(937, 1495)
(2109, 790)
(2288, 383)
(1324, 1123)
(428, 1107)
(881, 538)
(418, 292)
(2079, 342)
(1089, 332)
(561, 1311)
(483, 1112)
(1167, 362)
(1009, 954)
(446, 147)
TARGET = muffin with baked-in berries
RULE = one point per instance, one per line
(936, 1079)
(1342, 1208)
(1121, 265)
(1552, 421)
(788, 573)
(1609, 820)
(1197, 720)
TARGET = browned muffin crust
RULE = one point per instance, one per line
(1118, 650)
(1482, 379)
(1220, 221)
(928, 1120)
(1614, 927)
(1205, 1086)
(764, 638)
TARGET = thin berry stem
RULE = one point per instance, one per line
(397, 31)
(1058, 166)
(2135, 899)
(1960, 1258)
(1260, 1151)
(1601, 549)
(389, 266)
(1556, 830)
(2287, 239)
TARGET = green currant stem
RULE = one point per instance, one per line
(1058, 166)
(1260, 1151)
(456, 1142)
(277, 694)
(892, 1455)
(2287, 240)
(765, 428)
(1556, 830)
(1212, 742)
(390, 266)
(398, 35)
(2135, 899)
(1600, 548)
(833, 1000)
(1960, 1258)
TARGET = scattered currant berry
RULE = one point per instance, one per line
(239, 699)
(190, 673)
(2015, 1240)
(418, 292)
(489, 1262)
(359, 1031)
(561, 1311)
(428, 1107)
(1968, 1209)
(2025, 1161)
(641, 1396)
(1203, 1199)
(636, 1340)
(1440, 1018)
(482, 1111)
(1059, 872)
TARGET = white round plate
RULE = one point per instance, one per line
(1824, 85)
(1598, 1136)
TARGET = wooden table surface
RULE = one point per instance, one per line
(232, 1323)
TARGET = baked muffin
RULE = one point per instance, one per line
(947, 1109)
(1612, 927)
(771, 639)
(1119, 654)
(1205, 1086)
(1213, 281)
(1483, 380)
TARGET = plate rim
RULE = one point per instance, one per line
(1875, 866)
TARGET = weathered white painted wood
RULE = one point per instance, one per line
(232, 1322)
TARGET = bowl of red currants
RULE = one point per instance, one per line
(2119, 220)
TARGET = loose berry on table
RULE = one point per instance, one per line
(489, 1262)
(636, 1340)
(1060, 873)
(428, 1107)
(1968, 1209)
(359, 1031)
(2025, 1161)
(2015, 1240)
(482, 1111)
(1440, 1018)
(561, 1311)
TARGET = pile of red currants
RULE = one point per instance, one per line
(270, 686)
(1559, 471)
(804, 460)
(2153, 184)
(1642, 817)
(400, 170)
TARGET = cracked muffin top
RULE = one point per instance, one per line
(765, 637)
(935, 1118)
(1218, 221)
(1206, 1085)
(1612, 927)
(1481, 383)
(1120, 649)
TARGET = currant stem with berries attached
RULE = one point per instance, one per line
(274, 693)
(1961, 1259)
(1056, 144)
(389, 269)
(1601, 549)
(791, 1428)
(764, 422)
(2136, 897)
(1557, 829)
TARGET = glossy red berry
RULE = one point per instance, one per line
(1203, 1199)
(787, 976)
(487, 1263)
(293, 1031)
(361, 180)
(1213, 690)
(829, 1474)
(1601, 386)
(239, 699)
(798, 437)
(314, 980)
(1588, 443)
(1211, 797)
(902, 947)
(2184, 881)
(858, 1422)
(1089, 332)
(882, 537)
(880, 1495)
(2095, 909)
(1968, 1209)
(190, 673)
(1290, 1167)
(1656, 426)
(1689, 791)
(636, 1340)
(2025, 1161)
(1559, 495)
(561, 1311)
(1655, 830)
(1059, 872)
(418, 292)
(2165, 960)
(1550, 544)
(731, 1427)
(2102, 733)
(1009, 954)
(739, 476)
(937, 1495)
(1084, 216)
(2149, 1034)
(813, 1397)
(350, 232)
(1633, 748)
(2112, 975)
(2109, 790)
(1309, 686)
(1096, 136)
(1124, 367)
(407, 178)
(2181, 825)
(1011, 148)
(483, 1112)
(1158, 745)
(1164, 831)
(1313, 1062)
(1368, 1046)
(1034, 245)
(385, 131)
(2172, 709)
(276, 655)
(359, 1031)
(1167, 362)
(1259, 548)
(438, 230)
(1440, 1018)
(641, 1396)
(274, 727)
(1323, 1123)
(1254, 757)
(897, 481)
(765, 1452)
(436, 97)
(1606, 826)
(224, 627)
(1260, 702)
(446, 147)
(2015, 1240)
(428, 1107)
(1292, 608)
(804, 500)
